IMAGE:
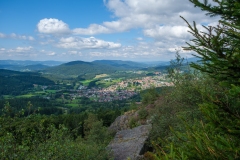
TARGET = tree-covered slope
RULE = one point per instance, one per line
(14, 82)
(80, 68)
(122, 64)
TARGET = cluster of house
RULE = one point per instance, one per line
(122, 90)
(101, 95)
(141, 83)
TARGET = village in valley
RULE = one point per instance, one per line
(119, 91)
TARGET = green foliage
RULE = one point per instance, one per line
(143, 113)
(42, 137)
(38, 105)
(85, 70)
(133, 122)
(215, 134)
(179, 101)
(15, 83)
(149, 96)
(218, 47)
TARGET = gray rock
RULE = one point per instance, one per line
(130, 143)
(120, 123)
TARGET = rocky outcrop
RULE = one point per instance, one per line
(122, 122)
(130, 143)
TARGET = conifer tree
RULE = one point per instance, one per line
(218, 47)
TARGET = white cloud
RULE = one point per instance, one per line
(16, 36)
(162, 31)
(18, 51)
(48, 53)
(75, 53)
(51, 53)
(86, 43)
(139, 38)
(13, 35)
(147, 14)
(141, 52)
(130, 14)
(22, 49)
(2, 35)
(30, 38)
(91, 30)
(167, 32)
(52, 26)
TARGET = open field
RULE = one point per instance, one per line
(25, 96)
(100, 76)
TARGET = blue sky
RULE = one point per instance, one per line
(67, 30)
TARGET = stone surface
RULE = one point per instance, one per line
(130, 143)
(122, 122)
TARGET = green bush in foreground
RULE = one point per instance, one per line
(32, 138)
(216, 134)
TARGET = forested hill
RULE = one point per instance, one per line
(15, 83)
(80, 68)
(122, 64)
(90, 69)
(27, 65)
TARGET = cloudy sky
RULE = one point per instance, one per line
(67, 30)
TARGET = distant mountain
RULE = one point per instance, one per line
(27, 65)
(80, 68)
(157, 63)
(122, 64)
(90, 69)
(28, 62)
(36, 67)
(164, 65)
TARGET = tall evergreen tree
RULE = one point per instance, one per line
(217, 135)
(218, 47)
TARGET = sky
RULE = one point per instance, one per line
(87, 30)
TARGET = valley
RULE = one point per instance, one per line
(79, 86)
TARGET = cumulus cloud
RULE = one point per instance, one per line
(75, 53)
(51, 53)
(130, 14)
(167, 32)
(86, 43)
(163, 31)
(143, 51)
(16, 36)
(91, 30)
(21, 49)
(2, 35)
(52, 26)
(145, 13)
(48, 53)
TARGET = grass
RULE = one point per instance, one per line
(72, 105)
(85, 82)
(7, 96)
(104, 83)
(100, 76)
(51, 91)
(40, 92)
(25, 96)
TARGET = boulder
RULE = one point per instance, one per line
(122, 122)
(130, 143)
